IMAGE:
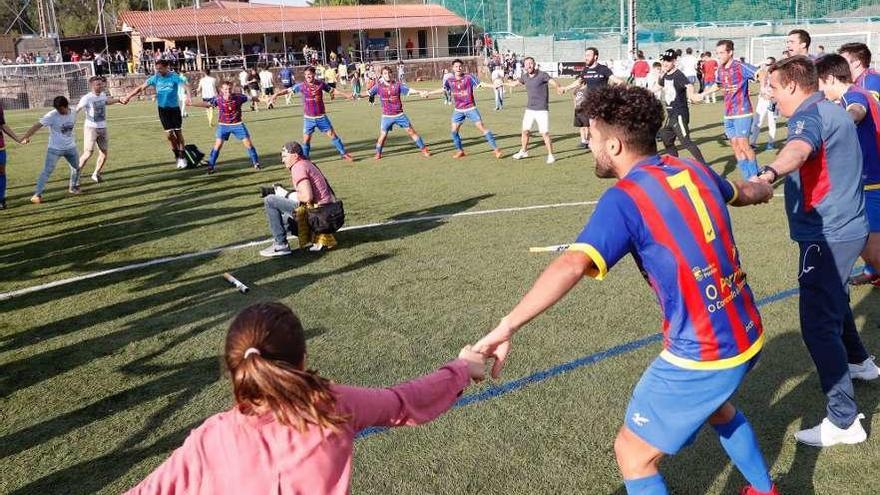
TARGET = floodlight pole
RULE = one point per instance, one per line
(509, 17)
(633, 42)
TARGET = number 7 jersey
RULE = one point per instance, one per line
(671, 215)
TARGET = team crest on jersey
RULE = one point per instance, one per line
(640, 420)
(799, 127)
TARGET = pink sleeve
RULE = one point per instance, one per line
(298, 173)
(410, 403)
(180, 473)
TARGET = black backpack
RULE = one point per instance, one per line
(193, 156)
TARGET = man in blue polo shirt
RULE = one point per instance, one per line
(825, 206)
(167, 84)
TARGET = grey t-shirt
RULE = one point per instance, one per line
(536, 88)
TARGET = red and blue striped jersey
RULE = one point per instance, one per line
(734, 84)
(671, 215)
(389, 95)
(312, 97)
(229, 110)
(462, 91)
(869, 81)
(869, 133)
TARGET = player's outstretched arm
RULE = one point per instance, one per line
(857, 112)
(552, 285)
(9, 132)
(577, 83)
(200, 103)
(789, 159)
(26, 137)
(752, 193)
(556, 86)
(426, 94)
(136, 91)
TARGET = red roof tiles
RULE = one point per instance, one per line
(232, 18)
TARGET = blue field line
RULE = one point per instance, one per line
(542, 375)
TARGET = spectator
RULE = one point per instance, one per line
(311, 189)
(409, 48)
(305, 421)
(189, 58)
(640, 70)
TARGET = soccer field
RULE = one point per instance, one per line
(101, 378)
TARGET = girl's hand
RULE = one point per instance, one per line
(476, 363)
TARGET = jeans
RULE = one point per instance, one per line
(827, 324)
(499, 98)
(52, 156)
(277, 211)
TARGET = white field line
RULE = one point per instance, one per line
(168, 259)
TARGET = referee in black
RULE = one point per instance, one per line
(675, 91)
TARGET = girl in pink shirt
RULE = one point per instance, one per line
(291, 431)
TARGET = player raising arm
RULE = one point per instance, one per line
(670, 214)
(389, 92)
(229, 122)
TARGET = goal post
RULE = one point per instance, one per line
(762, 47)
(36, 85)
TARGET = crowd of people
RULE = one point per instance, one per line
(669, 213)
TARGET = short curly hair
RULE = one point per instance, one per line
(634, 114)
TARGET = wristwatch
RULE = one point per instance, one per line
(770, 170)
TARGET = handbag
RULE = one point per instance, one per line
(327, 218)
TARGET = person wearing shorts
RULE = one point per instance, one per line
(461, 88)
(389, 92)
(166, 83)
(314, 111)
(671, 215)
(537, 107)
(94, 104)
(229, 123)
(268, 84)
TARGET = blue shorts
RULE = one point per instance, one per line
(692, 79)
(2, 157)
(237, 130)
(738, 127)
(322, 123)
(387, 123)
(473, 115)
(670, 404)
(872, 209)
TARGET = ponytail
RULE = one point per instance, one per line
(265, 353)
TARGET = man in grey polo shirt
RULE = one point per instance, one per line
(537, 108)
(825, 205)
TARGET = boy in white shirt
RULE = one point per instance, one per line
(207, 90)
(498, 85)
(61, 122)
(267, 83)
(95, 126)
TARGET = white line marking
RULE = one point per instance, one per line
(168, 259)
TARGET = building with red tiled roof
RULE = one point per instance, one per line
(227, 28)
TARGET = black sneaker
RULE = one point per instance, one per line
(2, 204)
(257, 166)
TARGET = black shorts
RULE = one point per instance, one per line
(579, 121)
(269, 91)
(170, 118)
(332, 85)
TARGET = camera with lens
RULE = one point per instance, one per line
(275, 189)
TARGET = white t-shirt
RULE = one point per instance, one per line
(266, 79)
(60, 129)
(95, 107)
(208, 87)
(498, 77)
(689, 65)
(243, 78)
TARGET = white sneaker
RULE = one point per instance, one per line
(276, 250)
(866, 370)
(520, 154)
(96, 177)
(317, 248)
(551, 159)
(825, 434)
(181, 163)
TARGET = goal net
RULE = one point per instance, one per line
(774, 46)
(36, 85)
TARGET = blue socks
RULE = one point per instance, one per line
(739, 441)
(307, 147)
(339, 146)
(456, 141)
(420, 143)
(252, 152)
(490, 138)
(212, 158)
(2, 187)
(379, 149)
(652, 485)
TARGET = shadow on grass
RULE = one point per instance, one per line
(202, 304)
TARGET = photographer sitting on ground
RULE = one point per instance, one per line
(312, 190)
